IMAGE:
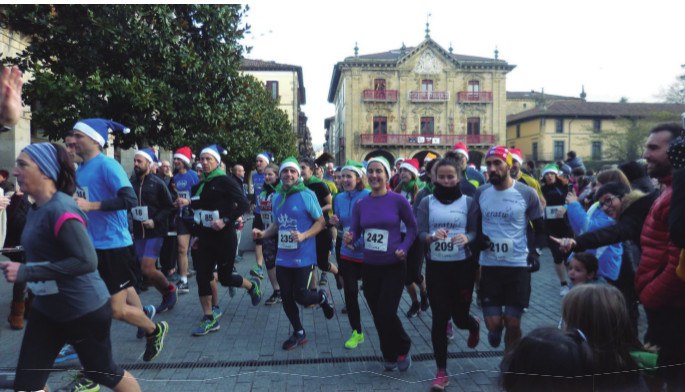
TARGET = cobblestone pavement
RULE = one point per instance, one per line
(246, 355)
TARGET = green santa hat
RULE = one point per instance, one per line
(290, 162)
(354, 166)
(551, 168)
(382, 161)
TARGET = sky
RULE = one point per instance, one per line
(631, 49)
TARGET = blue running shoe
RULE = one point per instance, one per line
(206, 326)
(216, 312)
(150, 312)
(67, 353)
(168, 300)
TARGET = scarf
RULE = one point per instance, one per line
(297, 187)
(447, 195)
(409, 186)
(269, 189)
(430, 187)
(206, 178)
(312, 180)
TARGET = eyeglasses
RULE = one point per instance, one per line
(607, 202)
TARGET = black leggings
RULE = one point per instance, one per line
(351, 273)
(383, 287)
(216, 249)
(450, 287)
(294, 284)
(44, 337)
(324, 242)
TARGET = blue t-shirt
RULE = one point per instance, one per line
(298, 212)
(257, 188)
(343, 207)
(185, 182)
(100, 178)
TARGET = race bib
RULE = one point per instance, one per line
(377, 240)
(139, 213)
(444, 250)
(551, 212)
(285, 240)
(207, 217)
(501, 248)
(184, 195)
(267, 218)
(82, 192)
(44, 287)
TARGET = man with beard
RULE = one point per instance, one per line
(518, 174)
(506, 209)
(150, 223)
(660, 290)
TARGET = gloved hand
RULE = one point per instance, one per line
(533, 261)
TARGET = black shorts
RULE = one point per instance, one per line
(117, 268)
(182, 227)
(505, 286)
(269, 249)
(258, 223)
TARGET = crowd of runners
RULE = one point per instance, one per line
(84, 237)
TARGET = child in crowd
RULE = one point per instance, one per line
(583, 269)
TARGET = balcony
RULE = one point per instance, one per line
(380, 140)
(379, 96)
(428, 96)
(474, 97)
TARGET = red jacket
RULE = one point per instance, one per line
(656, 281)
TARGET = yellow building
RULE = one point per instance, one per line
(285, 83)
(520, 101)
(547, 132)
(414, 100)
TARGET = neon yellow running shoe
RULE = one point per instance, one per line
(354, 340)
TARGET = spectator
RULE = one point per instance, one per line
(676, 218)
(573, 160)
(637, 175)
(6, 185)
(583, 269)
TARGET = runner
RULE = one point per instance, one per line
(72, 302)
(263, 160)
(409, 187)
(151, 225)
(269, 245)
(185, 179)
(377, 219)
(447, 229)
(518, 174)
(350, 257)
(217, 202)
(505, 208)
(297, 218)
(105, 194)
(470, 178)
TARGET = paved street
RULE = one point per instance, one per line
(246, 355)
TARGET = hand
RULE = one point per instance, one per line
(11, 108)
(257, 234)
(83, 204)
(399, 253)
(347, 238)
(571, 197)
(4, 202)
(218, 224)
(181, 202)
(565, 244)
(440, 234)
(10, 269)
(149, 224)
(297, 236)
(334, 220)
(560, 212)
(460, 239)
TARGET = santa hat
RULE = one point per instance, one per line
(551, 168)
(290, 162)
(354, 166)
(148, 154)
(185, 154)
(98, 129)
(412, 165)
(460, 148)
(382, 161)
(500, 152)
(266, 156)
(214, 150)
(517, 155)
(399, 160)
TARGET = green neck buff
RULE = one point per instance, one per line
(297, 187)
(312, 180)
(409, 186)
(206, 178)
(430, 187)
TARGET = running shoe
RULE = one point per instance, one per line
(257, 271)
(206, 326)
(255, 292)
(155, 343)
(182, 287)
(326, 306)
(354, 340)
(83, 384)
(474, 334)
(414, 310)
(323, 280)
(231, 291)
(168, 300)
(67, 353)
(296, 339)
(150, 313)
(564, 290)
(404, 362)
(424, 302)
(274, 299)
(494, 338)
(450, 331)
(390, 366)
(216, 312)
(441, 381)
